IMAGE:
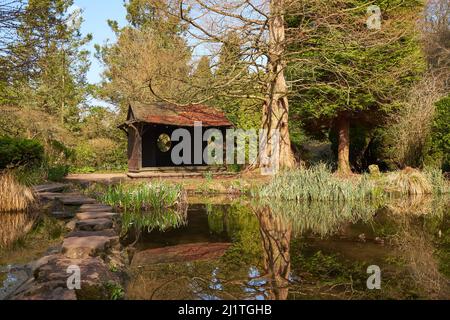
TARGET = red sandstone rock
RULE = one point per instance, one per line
(83, 247)
(180, 253)
(94, 224)
(95, 215)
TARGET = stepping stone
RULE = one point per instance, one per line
(71, 225)
(95, 215)
(63, 215)
(76, 201)
(94, 224)
(84, 247)
(56, 195)
(110, 233)
(54, 187)
(95, 208)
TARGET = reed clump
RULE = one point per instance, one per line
(318, 183)
(144, 196)
(14, 197)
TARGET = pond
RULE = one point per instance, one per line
(242, 249)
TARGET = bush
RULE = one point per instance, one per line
(101, 154)
(58, 173)
(440, 136)
(15, 152)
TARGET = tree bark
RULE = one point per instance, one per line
(276, 108)
(343, 129)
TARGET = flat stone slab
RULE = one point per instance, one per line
(57, 195)
(63, 215)
(180, 253)
(95, 208)
(50, 280)
(110, 233)
(94, 224)
(83, 247)
(67, 198)
(95, 215)
(76, 201)
(53, 187)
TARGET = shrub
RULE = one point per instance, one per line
(102, 153)
(440, 136)
(57, 173)
(15, 152)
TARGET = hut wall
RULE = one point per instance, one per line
(153, 157)
(134, 150)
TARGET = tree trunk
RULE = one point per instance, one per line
(276, 108)
(343, 129)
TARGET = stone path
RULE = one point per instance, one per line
(92, 245)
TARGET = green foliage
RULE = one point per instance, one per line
(242, 226)
(58, 173)
(116, 291)
(342, 69)
(100, 154)
(155, 219)
(440, 136)
(16, 152)
(438, 181)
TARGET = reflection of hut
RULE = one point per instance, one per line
(150, 126)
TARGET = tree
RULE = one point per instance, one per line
(203, 75)
(150, 48)
(49, 65)
(259, 73)
(10, 12)
(343, 73)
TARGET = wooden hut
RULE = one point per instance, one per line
(150, 126)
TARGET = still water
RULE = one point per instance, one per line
(245, 250)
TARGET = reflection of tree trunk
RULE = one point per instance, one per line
(276, 237)
(343, 129)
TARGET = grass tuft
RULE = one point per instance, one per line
(144, 196)
(14, 197)
(410, 182)
(318, 183)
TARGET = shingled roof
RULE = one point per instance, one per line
(185, 116)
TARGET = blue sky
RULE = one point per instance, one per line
(95, 14)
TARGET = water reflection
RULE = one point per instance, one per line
(14, 226)
(308, 250)
(275, 239)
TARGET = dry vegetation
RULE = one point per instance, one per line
(14, 197)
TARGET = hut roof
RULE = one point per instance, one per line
(185, 116)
